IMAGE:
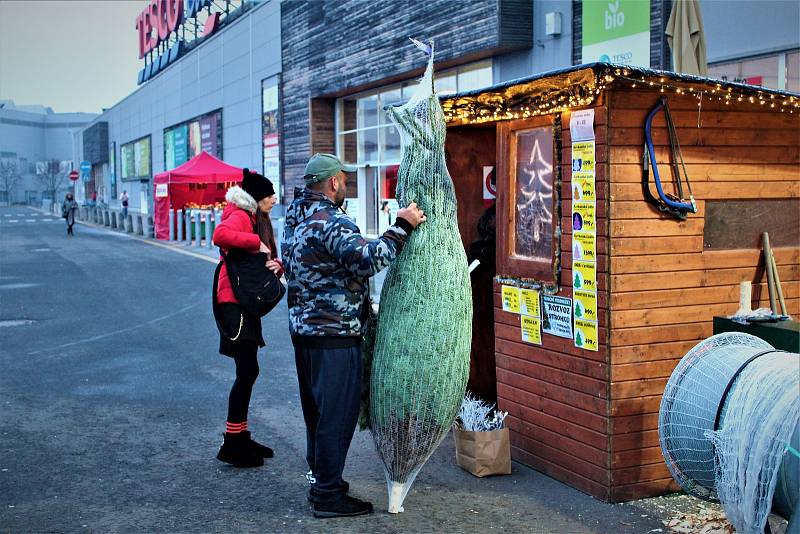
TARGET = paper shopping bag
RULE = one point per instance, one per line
(483, 453)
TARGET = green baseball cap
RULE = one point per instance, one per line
(323, 166)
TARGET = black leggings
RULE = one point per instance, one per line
(246, 373)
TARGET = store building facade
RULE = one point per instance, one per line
(213, 96)
(756, 42)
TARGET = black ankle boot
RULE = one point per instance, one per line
(258, 449)
(236, 451)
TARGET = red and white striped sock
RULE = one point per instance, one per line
(235, 428)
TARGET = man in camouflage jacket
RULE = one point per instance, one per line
(328, 264)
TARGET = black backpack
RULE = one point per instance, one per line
(256, 288)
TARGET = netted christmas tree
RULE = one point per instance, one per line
(424, 330)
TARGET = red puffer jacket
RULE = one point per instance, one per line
(236, 230)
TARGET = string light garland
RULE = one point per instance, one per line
(576, 87)
(579, 87)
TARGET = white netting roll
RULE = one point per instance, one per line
(760, 414)
(690, 403)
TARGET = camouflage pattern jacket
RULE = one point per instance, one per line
(328, 264)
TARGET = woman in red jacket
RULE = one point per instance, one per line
(245, 225)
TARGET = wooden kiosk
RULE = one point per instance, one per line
(583, 380)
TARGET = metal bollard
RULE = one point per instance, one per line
(198, 225)
(188, 223)
(179, 223)
(208, 229)
(171, 224)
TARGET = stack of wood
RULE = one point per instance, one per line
(773, 280)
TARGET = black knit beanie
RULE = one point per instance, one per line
(256, 185)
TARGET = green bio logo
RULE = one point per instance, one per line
(613, 16)
(604, 20)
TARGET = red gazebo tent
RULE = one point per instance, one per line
(202, 180)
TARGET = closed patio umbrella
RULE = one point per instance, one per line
(686, 39)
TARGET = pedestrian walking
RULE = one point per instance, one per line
(123, 198)
(328, 265)
(68, 208)
(245, 226)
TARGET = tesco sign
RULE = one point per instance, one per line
(162, 17)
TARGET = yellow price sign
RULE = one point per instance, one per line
(510, 296)
(531, 329)
(583, 188)
(583, 219)
(586, 335)
(529, 302)
(583, 157)
(584, 275)
(583, 247)
(584, 305)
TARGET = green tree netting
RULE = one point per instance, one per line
(424, 328)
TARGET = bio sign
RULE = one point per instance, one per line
(617, 31)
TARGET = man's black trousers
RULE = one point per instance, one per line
(330, 393)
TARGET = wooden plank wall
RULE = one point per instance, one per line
(557, 395)
(665, 289)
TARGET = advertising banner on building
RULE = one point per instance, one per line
(184, 141)
(181, 145)
(194, 138)
(135, 160)
(270, 133)
(112, 166)
(617, 31)
(169, 149)
(208, 134)
(126, 157)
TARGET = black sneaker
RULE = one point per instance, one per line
(345, 506)
(311, 479)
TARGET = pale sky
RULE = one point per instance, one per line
(71, 55)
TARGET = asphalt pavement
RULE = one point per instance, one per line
(113, 403)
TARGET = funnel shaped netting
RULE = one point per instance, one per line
(424, 329)
(751, 392)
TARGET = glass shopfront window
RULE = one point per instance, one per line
(776, 71)
(365, 137)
